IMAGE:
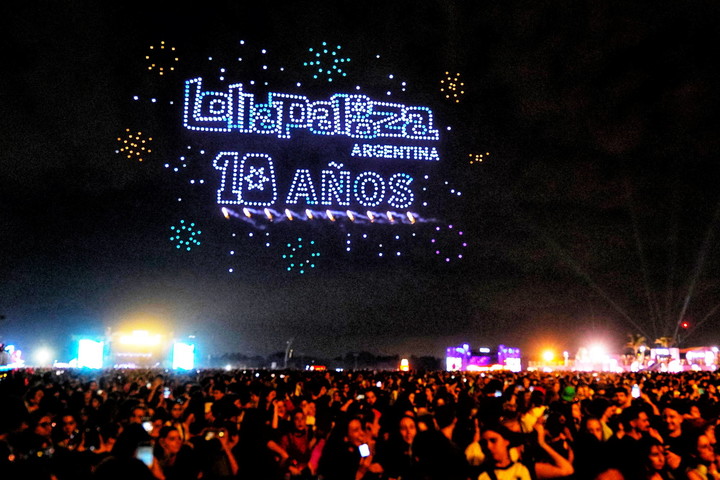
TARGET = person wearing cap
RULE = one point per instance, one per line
(568, 394)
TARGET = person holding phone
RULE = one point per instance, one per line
(346, 455)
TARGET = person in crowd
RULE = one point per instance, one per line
(122, 463)
(621, 398)
(33, 397)
(625, 445)
(701, 458)
(214, 455)
(591, 451)
(496, 441)
(676, 445)
(652, 456)
(396, 454)
(439, 457)
(178, 419)
(298, 444)
(346, 455)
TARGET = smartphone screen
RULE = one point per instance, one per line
(364, 450)
(145, 454)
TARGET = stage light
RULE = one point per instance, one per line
(140, 338)
(43, 356)
(90, 354)
(183, 356)
(548, 356)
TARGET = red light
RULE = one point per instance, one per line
(685, 325)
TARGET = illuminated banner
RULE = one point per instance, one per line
(387, 146)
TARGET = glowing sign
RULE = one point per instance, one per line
(268, 175)
(355, 116)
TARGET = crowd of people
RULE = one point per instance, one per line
(299, 425)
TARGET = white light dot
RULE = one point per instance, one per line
(230, 270)
(391, 76)
(449, 128)
(210, 58)
(136, 97)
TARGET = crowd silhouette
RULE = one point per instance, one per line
(353, 425)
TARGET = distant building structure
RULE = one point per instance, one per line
(463, 358)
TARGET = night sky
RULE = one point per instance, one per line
(595, 214)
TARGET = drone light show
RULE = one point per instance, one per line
(252, 179)
(325, 156)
